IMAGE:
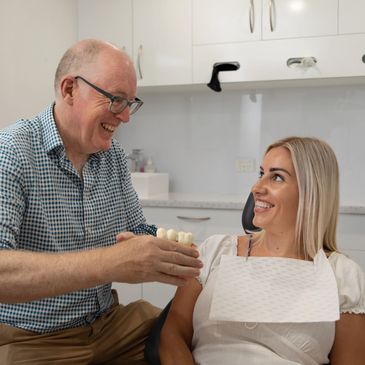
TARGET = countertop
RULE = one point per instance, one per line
(216, 201)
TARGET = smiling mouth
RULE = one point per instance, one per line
(108, 127)
(263, 205)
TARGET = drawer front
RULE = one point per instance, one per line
(201, 222)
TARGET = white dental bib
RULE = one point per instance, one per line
(275, 290)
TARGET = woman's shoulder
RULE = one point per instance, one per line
(211, 251)
(350, 282)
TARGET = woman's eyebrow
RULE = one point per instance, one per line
(274, 169)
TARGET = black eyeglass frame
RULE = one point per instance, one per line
(137, 103)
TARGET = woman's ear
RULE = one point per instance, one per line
(67, 86)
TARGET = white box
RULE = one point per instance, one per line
(148, 184)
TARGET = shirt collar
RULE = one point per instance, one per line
(52, 138)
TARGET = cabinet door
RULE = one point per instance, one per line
(351, 232)
(128, 292)
(162, 32)
(109, 20)
(217, 21)
(298, 18)
(351, 16)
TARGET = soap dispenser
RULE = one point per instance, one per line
(149, 166)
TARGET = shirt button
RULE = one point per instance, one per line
(89, 318)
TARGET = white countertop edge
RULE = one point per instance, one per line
(215, 201)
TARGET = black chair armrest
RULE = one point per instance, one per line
(151, 351)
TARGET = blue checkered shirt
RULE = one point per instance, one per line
(46, 207)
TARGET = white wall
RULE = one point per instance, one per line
(33, 36)
(198, 136)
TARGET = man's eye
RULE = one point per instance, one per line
(261, 174)
(120, 101)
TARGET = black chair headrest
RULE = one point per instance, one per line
(248, 214)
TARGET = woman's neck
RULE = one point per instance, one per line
(280, 244)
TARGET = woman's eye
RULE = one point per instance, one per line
(277, 178)
(261, 174)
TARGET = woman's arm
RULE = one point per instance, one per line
(349, 346)
(177, 332)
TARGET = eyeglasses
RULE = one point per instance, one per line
(117, 103)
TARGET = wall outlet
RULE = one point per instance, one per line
(245, 165)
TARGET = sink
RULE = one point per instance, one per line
(148, 184)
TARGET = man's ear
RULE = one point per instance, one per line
(67, 88)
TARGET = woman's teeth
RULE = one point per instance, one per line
(260, 204)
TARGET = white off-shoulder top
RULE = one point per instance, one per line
(237, 343)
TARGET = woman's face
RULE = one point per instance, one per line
(276, 192)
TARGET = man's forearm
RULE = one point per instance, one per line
(26, 275)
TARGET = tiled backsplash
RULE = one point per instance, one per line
(199, 137)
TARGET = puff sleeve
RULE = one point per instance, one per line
(211, 251)
(350, 282)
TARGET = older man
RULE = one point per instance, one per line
(71, 223)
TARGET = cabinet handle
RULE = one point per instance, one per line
(304, 62)
(193, 218)
(272, 12)
(252, 16)
(139, 61)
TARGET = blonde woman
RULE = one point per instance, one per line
(282, 296)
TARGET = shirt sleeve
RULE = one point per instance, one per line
(144, 228)
(350, 282)
(211, 251)
(12, 202)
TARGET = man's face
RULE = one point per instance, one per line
(93, 124)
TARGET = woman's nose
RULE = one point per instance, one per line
(259, 186)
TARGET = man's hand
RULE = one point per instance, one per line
(137, 259)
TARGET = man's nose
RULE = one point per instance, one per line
(124, 115)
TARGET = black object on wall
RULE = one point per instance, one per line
(214, 83)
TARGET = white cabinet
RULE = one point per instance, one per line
(216, 21)
(201, 222)
(298, 18)
(128, 292)
(337, 56)
(156, 34)
(351, 16)
(162, 33)
(109, 20)
(232, 21)
(287, 30)
(351, 237)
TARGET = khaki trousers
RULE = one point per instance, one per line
(118, 337)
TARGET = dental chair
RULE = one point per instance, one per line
(151, 353)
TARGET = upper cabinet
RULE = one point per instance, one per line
(298, 18)
(177, 42)
(217, 21)
(351, 16)
(109, 20)
(162, 41)
(246, 20)
(157, 34)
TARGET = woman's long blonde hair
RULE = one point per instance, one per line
(317, 174)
